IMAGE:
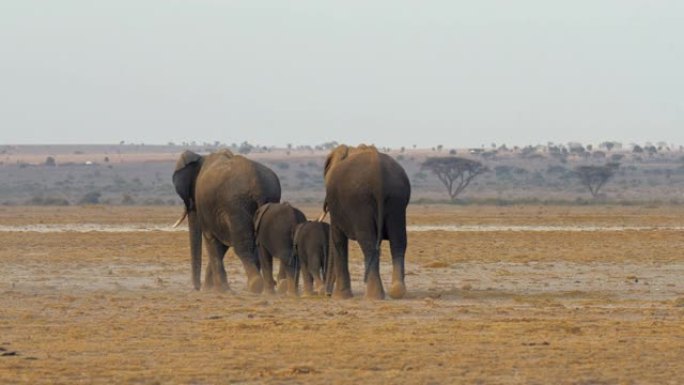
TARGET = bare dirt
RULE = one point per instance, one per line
(496, 295)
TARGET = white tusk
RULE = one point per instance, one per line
(178, 222)
(320, 219)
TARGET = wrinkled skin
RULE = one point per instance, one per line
(221, 193)
(311, 245)
(275, 225)
(367, 193)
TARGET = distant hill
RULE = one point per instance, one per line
(141, 174)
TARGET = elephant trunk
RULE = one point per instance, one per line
(195, 248)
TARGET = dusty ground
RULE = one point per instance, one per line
(535, 295)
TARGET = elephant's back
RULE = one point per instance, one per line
(313, 235)
(266, 182)
(369, 170)
(277, 225)
(396, 182)
(239, 177)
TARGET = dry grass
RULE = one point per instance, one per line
(494, 307)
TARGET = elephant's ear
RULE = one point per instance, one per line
(258, 215)
(187, 168)
(339, 153)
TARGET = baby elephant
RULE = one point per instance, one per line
(274, 225)
(311, 247)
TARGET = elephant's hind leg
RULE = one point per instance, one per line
(318, 283)
(317, 270)
(266, 260)
(250, 260)
(339, 253)
(216, 273)
(371, 253)
(397, 239)
(209, 276)
(282, 284)
(287, 276)
(307, 279)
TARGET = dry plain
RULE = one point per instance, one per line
(496, 295)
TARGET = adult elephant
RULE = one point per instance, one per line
(221, 193)
(367, 193)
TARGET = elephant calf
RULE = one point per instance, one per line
(274, 225)
(311, 240)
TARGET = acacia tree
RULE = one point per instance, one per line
(595, 177)
(454, 172)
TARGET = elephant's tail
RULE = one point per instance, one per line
(380, 220)
(324, 261)
(296, 270)
(379, 226)
(380, 223)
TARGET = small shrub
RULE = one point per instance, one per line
(40, 200)
(90, 198)
(155, 202)
(283, 165)
(420, 176)
(127, 200)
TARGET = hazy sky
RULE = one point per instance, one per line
(393, 73)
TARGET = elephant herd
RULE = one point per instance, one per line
(232, 201)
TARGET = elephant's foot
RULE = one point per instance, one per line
(374, 289)
(255, 284)
(376, 295)
(398, 290)
(217, 287)
(307, 290)
(283, 286)
(269, 290)
(342, 294)
(320, 289)
(288, 287)
(222, 287)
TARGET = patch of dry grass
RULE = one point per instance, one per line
(118, 308)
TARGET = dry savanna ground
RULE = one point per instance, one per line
(497, 295)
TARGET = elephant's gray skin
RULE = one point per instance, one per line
(221, 193)
(311, 242)
(367, 193)
(274, 225)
